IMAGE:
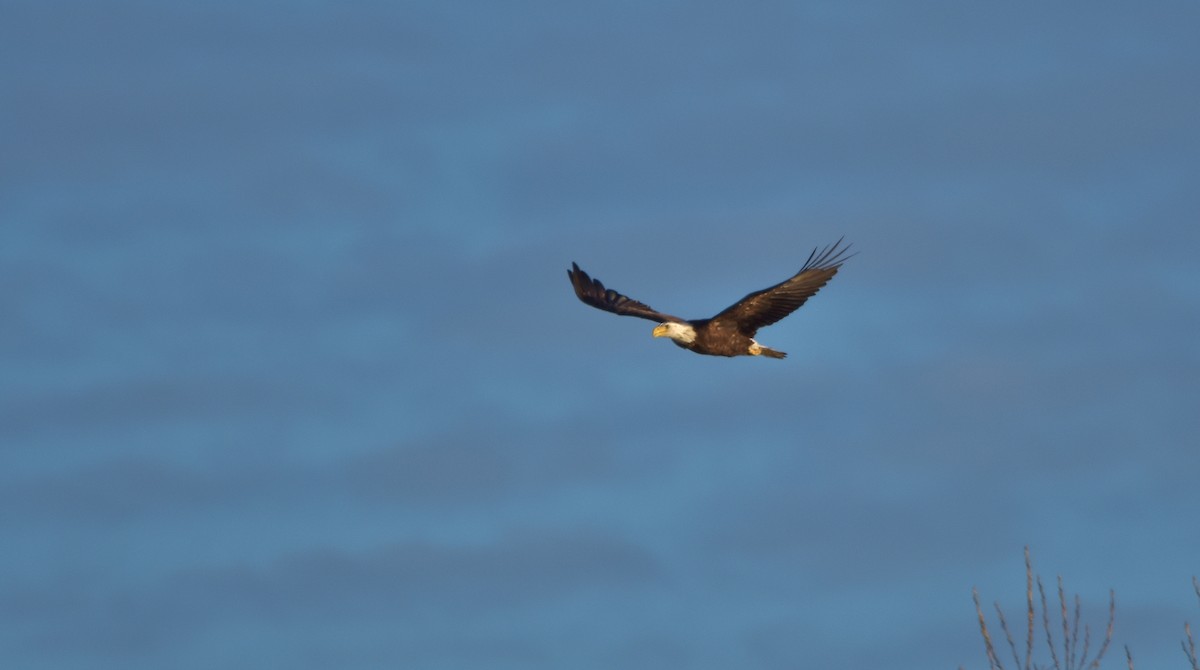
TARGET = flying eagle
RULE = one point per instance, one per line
(731, 332)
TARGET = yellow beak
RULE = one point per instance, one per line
(660, 330)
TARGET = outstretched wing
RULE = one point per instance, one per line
(765, 307)
(593, 293)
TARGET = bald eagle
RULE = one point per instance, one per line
(731, 332)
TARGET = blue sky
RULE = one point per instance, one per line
(293, 375)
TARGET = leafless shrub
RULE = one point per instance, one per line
(1070, 652)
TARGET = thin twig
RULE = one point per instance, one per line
(1029, 609)
(1062, 606)
(1189, 645)
(1075, 633)
(1087, 642)
(993, 662)
(1108, 630)
(1008, 635)
(1046, 623)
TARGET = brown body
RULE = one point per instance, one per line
(732, 331)
(720, 338)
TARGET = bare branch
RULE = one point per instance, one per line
(1046, 624)
(1062, 605)
(1008, 635)
(1029, 609)
(993, 662)
(1189, 645)
(1108, 631)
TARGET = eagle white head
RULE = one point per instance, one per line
(680, 332)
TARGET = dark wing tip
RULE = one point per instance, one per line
(831, 256)
(584, 285)
(594, 293)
